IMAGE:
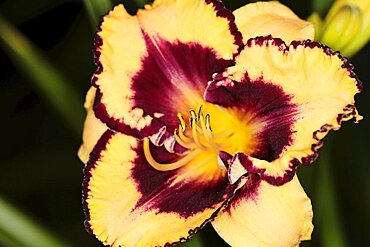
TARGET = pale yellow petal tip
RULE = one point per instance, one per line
(116, 13)
(119, 11)
(89, 99)
(93, 128)
(83, 154)
(306, 235)
(272, 18)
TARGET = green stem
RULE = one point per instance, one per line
(195, 241)
(331, 229)
(96, 8)
(16, 227)
(50, 83)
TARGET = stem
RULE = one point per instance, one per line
(331, 228)
(195, 241)
(17, 229)
(50, 83)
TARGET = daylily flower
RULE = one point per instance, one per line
(198, 114)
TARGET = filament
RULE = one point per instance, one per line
(166, 167)
(197, 139)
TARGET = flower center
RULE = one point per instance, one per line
(199, 134)
(196, 136)
(234, 134)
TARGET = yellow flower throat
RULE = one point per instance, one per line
(233, 136)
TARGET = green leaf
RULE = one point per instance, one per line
(96, 8)
(321, 6)
(141, 3)
(16, 229)
(49, 82)
(8, 241)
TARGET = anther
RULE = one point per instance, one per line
(182, 121)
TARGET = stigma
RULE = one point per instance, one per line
(196, 136)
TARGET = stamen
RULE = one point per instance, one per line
(197, 139)
(184, 137)
(206, 129)
(170, 166)
(200, 112)
(182, 121)
(185, 142)
(194, 131)
(208, 122)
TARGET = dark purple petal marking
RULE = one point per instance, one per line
(194, 61)
(184, 198)
(288, 175)
(251, 168)
(266, 102)
(155, 87)
(232, 194)
(225, 158)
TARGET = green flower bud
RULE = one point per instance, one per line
(342, 28)
(347, 26)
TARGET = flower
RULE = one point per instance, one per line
(198, 114)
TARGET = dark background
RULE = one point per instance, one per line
(41, 175)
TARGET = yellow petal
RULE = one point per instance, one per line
(164, 54)
(129, 203)
(319, 84)
(93, 128)
(271, 18)
(265, 215)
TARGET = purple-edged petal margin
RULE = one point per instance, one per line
(129, 203)
(157, 63)
(317, 88)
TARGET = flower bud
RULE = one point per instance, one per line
(342, 28)
(347, 26)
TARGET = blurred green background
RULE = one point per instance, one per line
(41, 124)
